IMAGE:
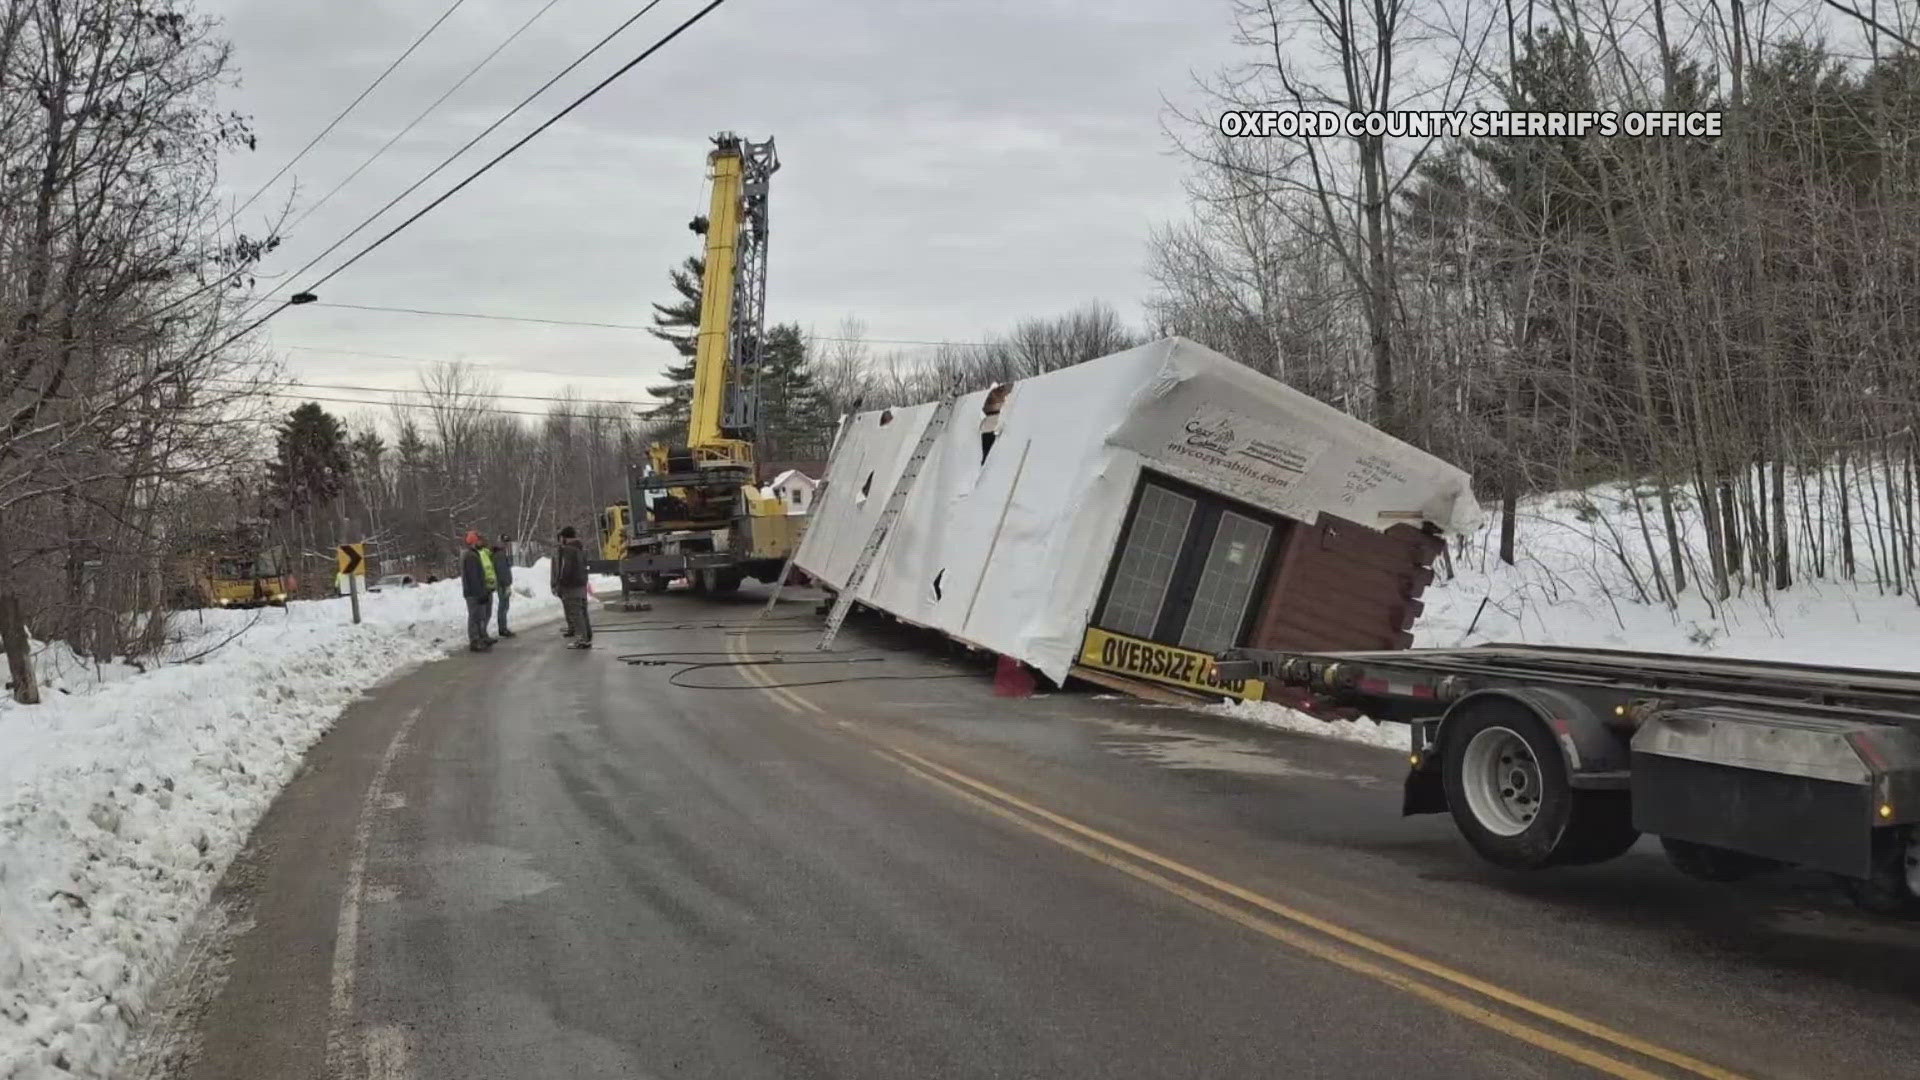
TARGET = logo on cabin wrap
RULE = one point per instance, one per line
(1234, 453)
(1162, 663)
(1215, 434)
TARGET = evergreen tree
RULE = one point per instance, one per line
(791, 410)
(678, 324)
(312, 465)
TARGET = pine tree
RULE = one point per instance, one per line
(312, 466)
(678, 324)
(791, 411)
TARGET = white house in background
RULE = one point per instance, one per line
(794, 489)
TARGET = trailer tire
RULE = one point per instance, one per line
(1709, 863)
(653, 583)
(1508, 791)
(723, 582)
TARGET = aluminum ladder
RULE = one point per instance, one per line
(842, 604)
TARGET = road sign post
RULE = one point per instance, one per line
(352, 560)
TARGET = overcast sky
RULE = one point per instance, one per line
(949, 166)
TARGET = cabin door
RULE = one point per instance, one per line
(1189, 567)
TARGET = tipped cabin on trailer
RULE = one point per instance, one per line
(1137, 515)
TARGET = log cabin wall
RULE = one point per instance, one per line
(1341, 587)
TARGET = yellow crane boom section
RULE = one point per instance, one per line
(710, 374)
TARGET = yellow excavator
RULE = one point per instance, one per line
(694, 511)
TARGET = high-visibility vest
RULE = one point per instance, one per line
(486, 564)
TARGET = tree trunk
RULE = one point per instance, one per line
(1782, 550)
(1846, 519)
(1730, 530)
(1675, 554)
(1509, 510)
(13, 634)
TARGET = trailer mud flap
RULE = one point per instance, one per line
(1425, 793)
(1801, 789)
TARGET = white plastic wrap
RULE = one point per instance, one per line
(1010, 555)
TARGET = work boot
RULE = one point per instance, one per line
(568, 632)
(508, 633)
(581, 645)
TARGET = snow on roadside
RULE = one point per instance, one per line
(123, 799)
(1386, 734)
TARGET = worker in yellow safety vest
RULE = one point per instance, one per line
(478, 583)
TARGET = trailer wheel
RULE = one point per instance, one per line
(722, 582)
(653, 583)
(1709, 863)
(1507, 789)
(697, 581)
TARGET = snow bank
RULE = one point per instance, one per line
(123, 798)
(1581, 570)
(1388, 734)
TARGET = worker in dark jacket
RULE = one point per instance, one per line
(503, 580)
(477, 583)
(570, 585)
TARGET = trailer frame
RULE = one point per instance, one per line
(1737, 765)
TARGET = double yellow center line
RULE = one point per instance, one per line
(1466, 996)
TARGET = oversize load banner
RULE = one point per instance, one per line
(1123, 655)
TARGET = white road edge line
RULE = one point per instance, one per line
(346, 937)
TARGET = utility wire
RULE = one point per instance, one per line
(599, 325)
(424, 113)
(447, 359)
(425, 405)
(482, 170)
(524, 139)
(463, 393)
(355, 103)
(225, 279)
(468, 145)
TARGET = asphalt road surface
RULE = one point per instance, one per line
(549, 863)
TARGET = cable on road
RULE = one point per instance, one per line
(737, 660)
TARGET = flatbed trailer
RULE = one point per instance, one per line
(1550, 756)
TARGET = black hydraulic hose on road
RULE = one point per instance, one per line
(736, 660)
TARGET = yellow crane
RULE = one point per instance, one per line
(694, 510)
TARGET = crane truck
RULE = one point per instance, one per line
(694, 510)
(1548, 756)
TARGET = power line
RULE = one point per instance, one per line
(355, 103)
(488, 130)
(424, 405)
(607, 325)
(463, 393)
(522, 141)
(424, 113)
(489, 366)
(475, 175)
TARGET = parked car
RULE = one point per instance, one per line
(393, 581)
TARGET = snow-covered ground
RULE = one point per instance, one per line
(1580, 555)
(126, 793)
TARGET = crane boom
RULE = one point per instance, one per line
(723, 418)
(695, 510)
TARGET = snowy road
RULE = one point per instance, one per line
(546, 863)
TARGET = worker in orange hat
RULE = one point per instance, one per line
(478, 582)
